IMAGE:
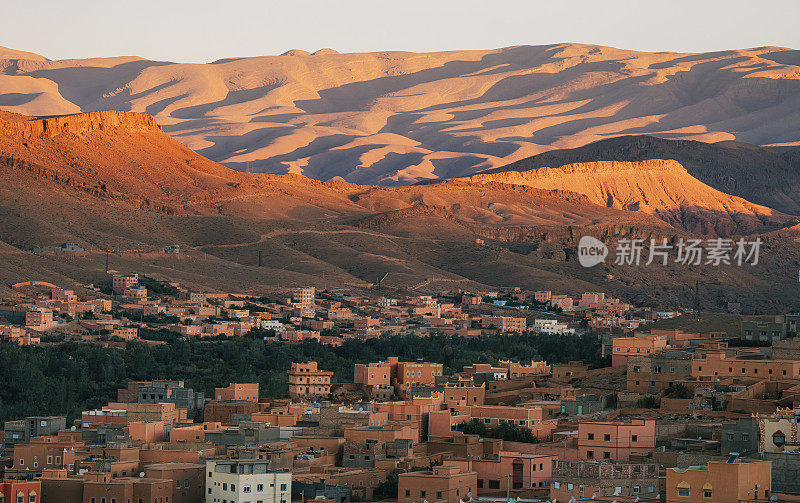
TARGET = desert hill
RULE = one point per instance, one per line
(398, 117)
(126, 157)
(115, 181)
(662, 188)
(765, 175)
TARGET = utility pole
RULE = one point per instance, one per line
(106, 261)
(259, 258)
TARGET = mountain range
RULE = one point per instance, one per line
(466, 169)
(116, 183)
(392, 118)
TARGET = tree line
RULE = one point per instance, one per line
(66, 378)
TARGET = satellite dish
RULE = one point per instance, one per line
(141, 475)
(72, 428)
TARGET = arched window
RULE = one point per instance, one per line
(32, 497)
(684, 490)
(707, 491)
(20, 497)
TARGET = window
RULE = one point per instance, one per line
(480, 484)
(606, 455)
(408, 493)
(422, 494)
(707, 493)
(607, 437)
(556, 485)
(283, 487)
(636, 489)
(246, 489)
(570, 487)
(745, 437)
(21, 461)
(590, 454)
(494, 484)
(438, 495)
(260, 487)
(591, 436)
(778, 438)
(634, 438)
(730, 436)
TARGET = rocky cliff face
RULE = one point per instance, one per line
(769, 176)
(78, 124)
(662, 188)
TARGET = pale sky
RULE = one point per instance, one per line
(204, 30)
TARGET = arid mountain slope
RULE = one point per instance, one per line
(656, 187)
(398, 117)
(763, 175)
(126, 157)
(114, 181)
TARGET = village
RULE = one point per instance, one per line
(670, 415)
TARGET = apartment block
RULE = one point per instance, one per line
(447, 484)
(188, 480)
(120, 283)
(40, 319)
(616, 440)
(235, 480)
(720, 482)
(627, 347)
(505, 323)
(238, 391)
(714, 365)
(655, 373)
(304, 295)
(305, 379)
(527, 471)
(21, 431)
